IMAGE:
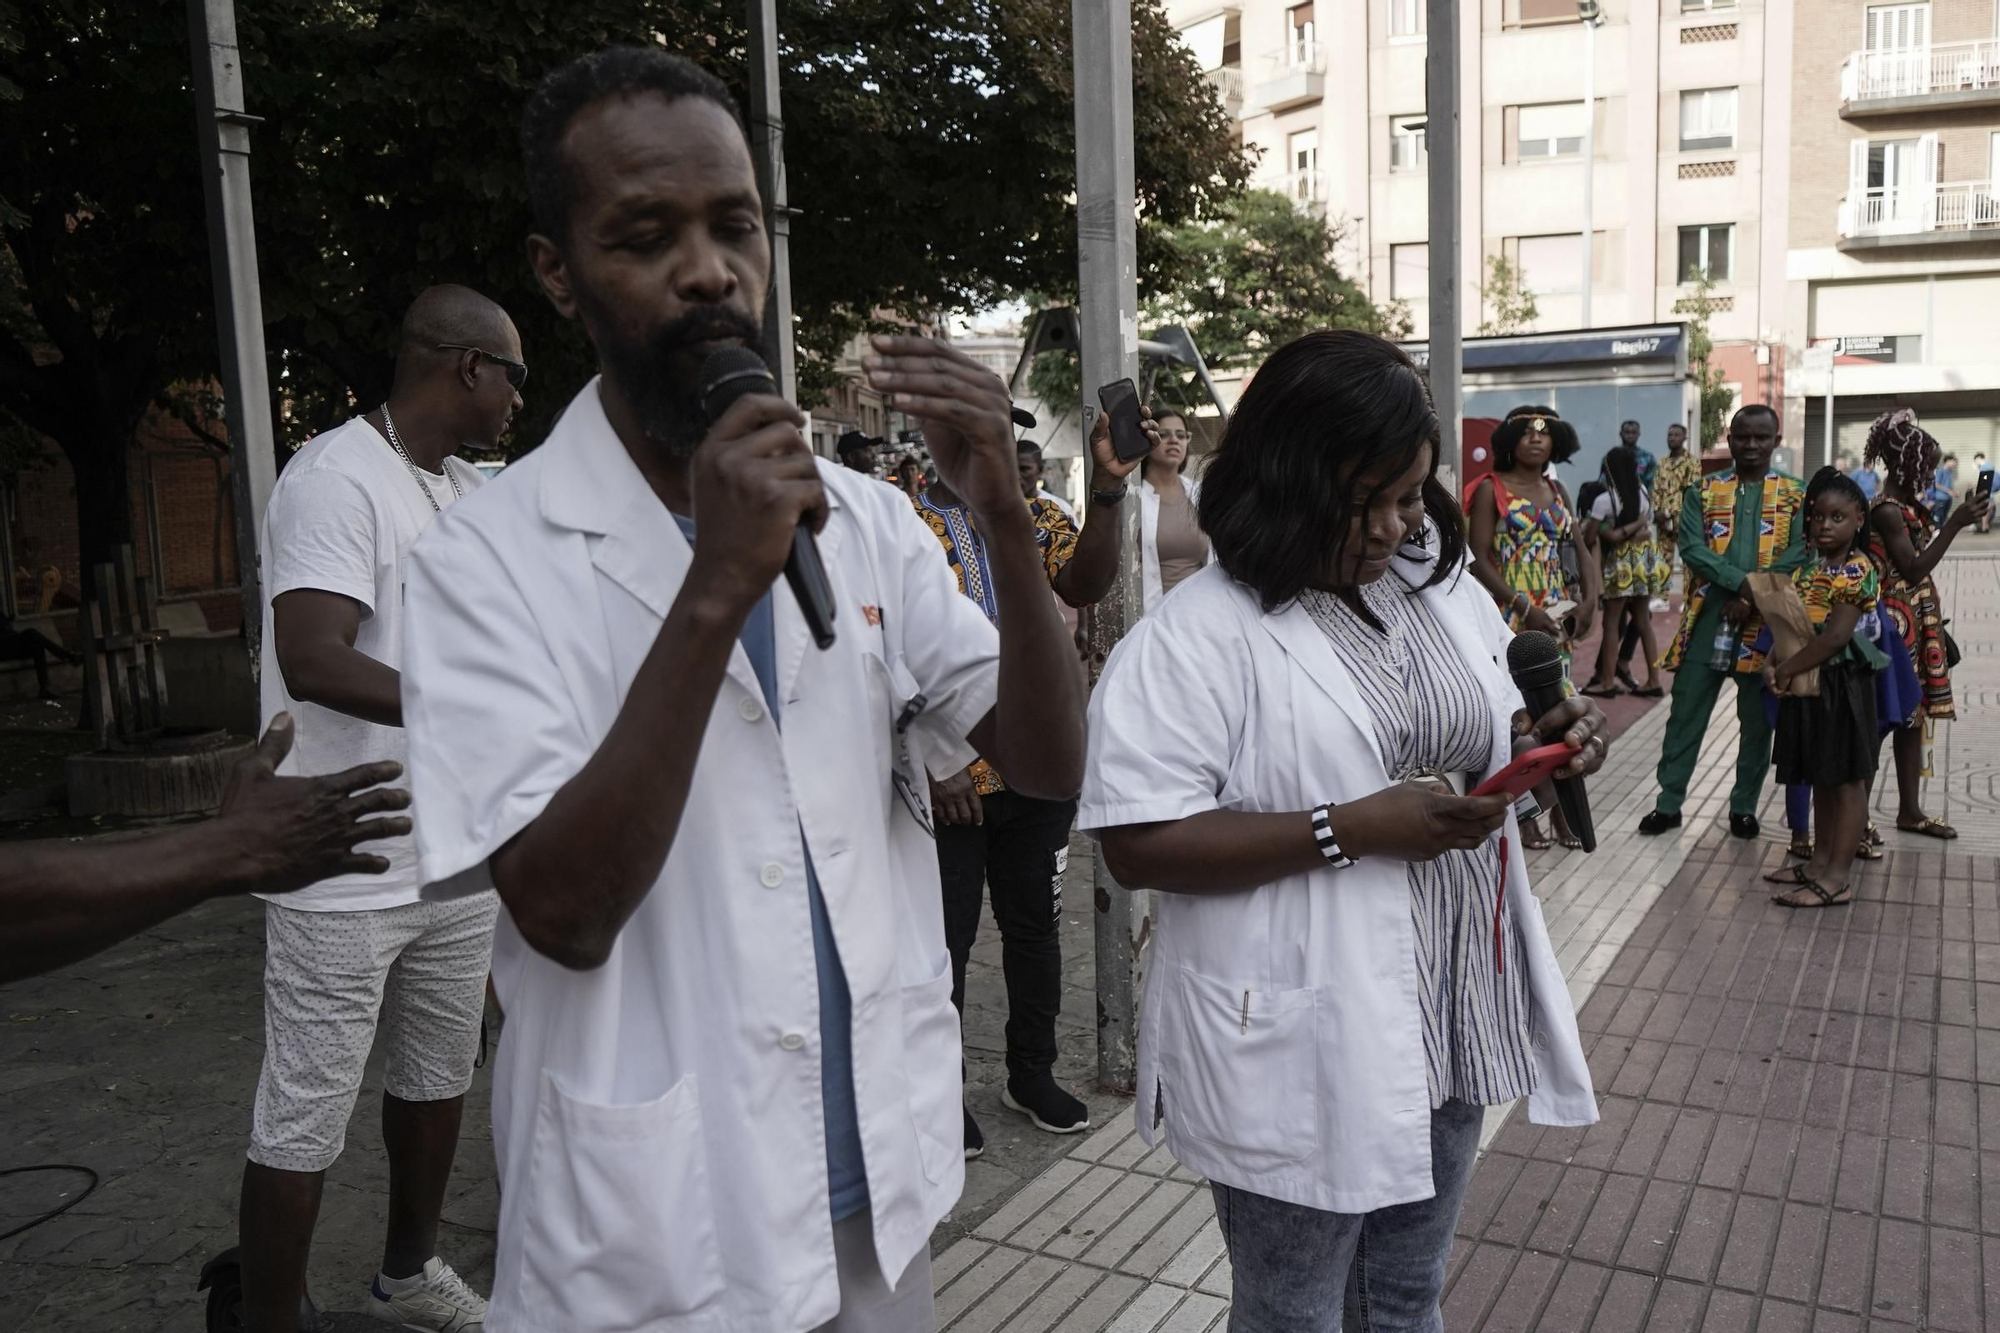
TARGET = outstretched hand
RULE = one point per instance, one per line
(964, 412)
(298, 831)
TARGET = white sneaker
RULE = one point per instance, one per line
(1657, 605)
(436, 1300)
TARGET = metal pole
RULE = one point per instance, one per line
(222, 129)
(1589, 156)
(1441, 141)
(1826, 431)
(1107, 285)
(767, 146)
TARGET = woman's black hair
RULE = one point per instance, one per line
(1832, 481)
(1621, 467)
(1563, 443)
(1280, 495)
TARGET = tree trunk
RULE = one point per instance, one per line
(102, 468)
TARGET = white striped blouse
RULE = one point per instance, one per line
(1431, 715)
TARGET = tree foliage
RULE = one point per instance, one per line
(1260, 273)
(929, 146)
(1509, 307)
(1708, 378)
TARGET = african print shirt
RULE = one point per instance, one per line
(1671, 484)
(1851, 582)
(965, 549)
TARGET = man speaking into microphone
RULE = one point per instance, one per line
(728, 1095)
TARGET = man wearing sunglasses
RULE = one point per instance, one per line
(358, 952)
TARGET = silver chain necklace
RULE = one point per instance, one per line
(416, 476)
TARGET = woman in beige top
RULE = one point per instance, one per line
(1172, 544)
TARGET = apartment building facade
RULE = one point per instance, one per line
(1894, 220)
(1689, 118)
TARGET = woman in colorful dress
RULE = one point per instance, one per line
(1523, 542)
(1906, 545)
(1620, 527)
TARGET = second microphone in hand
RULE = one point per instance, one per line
(1536, 662)
(726, 375)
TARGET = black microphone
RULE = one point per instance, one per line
(1536, 663)
(728, 374)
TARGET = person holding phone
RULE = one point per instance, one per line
(1907, 544)
(1000, 843)
(1348, 965)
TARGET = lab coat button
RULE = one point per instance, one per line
(773, 876)
(791, 1041)
(750, 709)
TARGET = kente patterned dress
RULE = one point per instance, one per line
(1431, 716)
(1527, 546)
(1915, 610)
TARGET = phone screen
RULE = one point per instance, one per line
(1984, 488)
(1120, 401)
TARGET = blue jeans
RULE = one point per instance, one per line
(1299, 1270)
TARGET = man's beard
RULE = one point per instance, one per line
(662, 386)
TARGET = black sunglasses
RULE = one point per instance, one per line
(517, 371)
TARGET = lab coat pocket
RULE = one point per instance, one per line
(933, 1057)
(620, 1223)
(1242, 1069)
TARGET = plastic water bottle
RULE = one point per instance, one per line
(1727, 640)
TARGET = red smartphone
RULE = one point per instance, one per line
(1527, 771)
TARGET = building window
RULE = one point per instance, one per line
(1708, 119)
(1550, 265)
(1553, 129)
(1302, 177)
(1406, 144)
(1301, 40)
(1542, 11)
(1406, 18)
(1709, 250)
(1410, 272)
(1890, 29)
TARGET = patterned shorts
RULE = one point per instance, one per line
(329, 978)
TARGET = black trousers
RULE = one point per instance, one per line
(1020, 851)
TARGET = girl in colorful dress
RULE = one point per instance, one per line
(1906, 545)
(1523, 542)
(1620, 526)
(1829, 739)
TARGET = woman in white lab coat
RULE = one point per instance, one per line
(1348, 965)
(1171, 543)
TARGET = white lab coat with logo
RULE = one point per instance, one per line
(1152, 586)
(657, 1120)
(1281, 1036)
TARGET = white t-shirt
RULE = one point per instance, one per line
(342, 517)
(1605, 507)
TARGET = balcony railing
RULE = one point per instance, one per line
(1306, 188)
(1228, 82)
(1896, 210)
(1929, 71)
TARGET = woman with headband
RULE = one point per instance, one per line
(1523, 543)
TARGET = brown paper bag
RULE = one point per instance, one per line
(1779, 603)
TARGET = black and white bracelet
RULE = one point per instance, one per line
(1323, 835)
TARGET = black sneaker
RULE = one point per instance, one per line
(1658, 822)
(975, 1142)
(1744, 826)
(1047, 1106)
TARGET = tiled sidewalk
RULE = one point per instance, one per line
(1794, 1103)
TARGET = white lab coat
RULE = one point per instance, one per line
(1153, 587)
(1280, 1035)
(657, 1120)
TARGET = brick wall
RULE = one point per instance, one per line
(189, 488)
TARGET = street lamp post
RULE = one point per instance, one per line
(1592, 16)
